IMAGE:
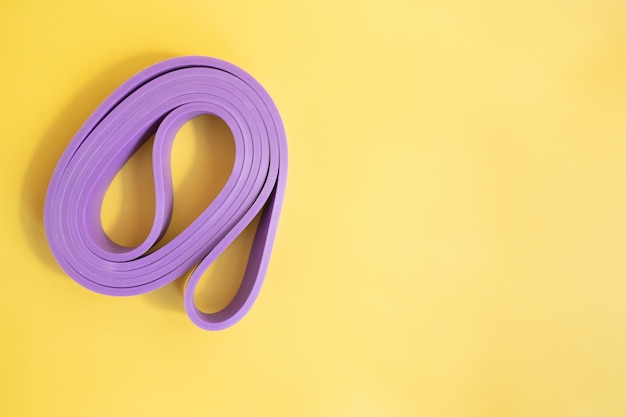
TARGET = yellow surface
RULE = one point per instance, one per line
(453, 241)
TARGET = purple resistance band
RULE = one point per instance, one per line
(159, 100)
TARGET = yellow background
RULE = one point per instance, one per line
(453, 238)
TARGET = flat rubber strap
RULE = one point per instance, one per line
(159, 100)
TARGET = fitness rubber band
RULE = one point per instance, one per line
(159, 100)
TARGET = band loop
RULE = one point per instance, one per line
(159, 100)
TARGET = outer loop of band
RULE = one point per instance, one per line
(159, 100)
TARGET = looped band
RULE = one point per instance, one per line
(158, 101)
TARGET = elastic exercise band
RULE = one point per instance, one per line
(159, 100)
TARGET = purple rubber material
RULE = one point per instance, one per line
(159, 100)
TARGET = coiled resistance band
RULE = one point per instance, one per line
(159, 100)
